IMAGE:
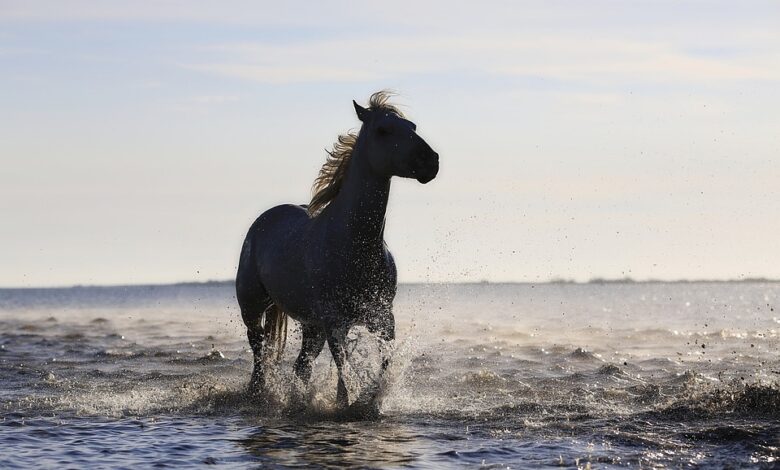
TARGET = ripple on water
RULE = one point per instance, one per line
(75, 393)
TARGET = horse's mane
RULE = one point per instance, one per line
(328, 182)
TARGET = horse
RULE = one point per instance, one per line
(326, 264)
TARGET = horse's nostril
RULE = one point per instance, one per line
(425, 163)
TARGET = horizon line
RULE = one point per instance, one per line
(552, 281)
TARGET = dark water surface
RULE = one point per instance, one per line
(610, 375)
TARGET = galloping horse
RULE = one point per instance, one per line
(326, 265)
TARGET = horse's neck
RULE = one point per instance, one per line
(360, 206)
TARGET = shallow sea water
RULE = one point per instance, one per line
(483, 375)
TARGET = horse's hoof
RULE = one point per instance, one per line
(363, 411)
(369, 395)
(256, 392)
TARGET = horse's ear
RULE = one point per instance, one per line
(362, 113)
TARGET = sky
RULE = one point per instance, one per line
(139, 140)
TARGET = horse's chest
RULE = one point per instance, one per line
(356, 293)
(350, 283)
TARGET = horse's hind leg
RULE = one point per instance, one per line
(313, 340)
(254, 301)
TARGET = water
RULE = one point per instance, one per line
(599, 375)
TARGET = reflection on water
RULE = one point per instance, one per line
(332, 444)
(548, 375)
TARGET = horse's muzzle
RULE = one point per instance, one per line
(426, 167)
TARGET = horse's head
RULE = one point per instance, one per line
(392, 146)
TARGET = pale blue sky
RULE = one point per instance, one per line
(139, 140)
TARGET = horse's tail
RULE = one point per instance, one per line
(275, 331)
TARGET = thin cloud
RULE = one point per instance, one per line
(278, 74)
(555, 58)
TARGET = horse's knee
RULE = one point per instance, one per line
(383, 327)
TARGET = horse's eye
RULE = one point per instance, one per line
(384, 130)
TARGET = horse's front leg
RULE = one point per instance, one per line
(312, 343)
(383, 325)
(336, 343)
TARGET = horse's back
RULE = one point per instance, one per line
(274, 229)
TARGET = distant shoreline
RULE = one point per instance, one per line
(594, 281)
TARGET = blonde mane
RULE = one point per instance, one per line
(328, 182)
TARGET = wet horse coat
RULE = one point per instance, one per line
(327, 266)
